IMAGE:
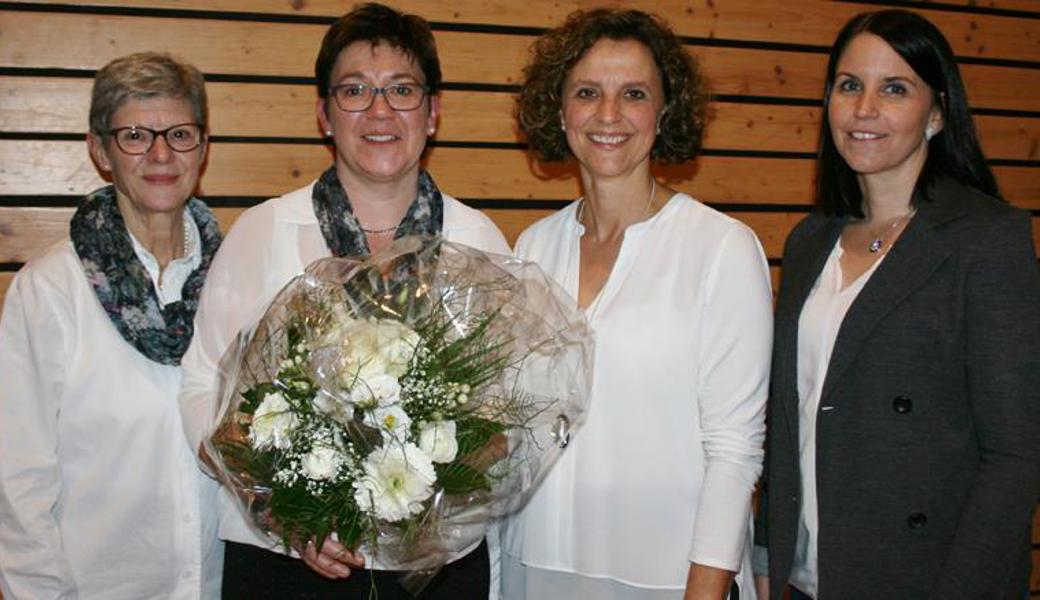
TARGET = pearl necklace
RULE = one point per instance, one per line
(878, 239)
(187, 236)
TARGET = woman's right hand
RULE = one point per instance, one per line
(333, 561)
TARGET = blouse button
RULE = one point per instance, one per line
(917, 520)
(902, 405)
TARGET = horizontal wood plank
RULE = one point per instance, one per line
(245, 169)
(59, 105)
(279, 49)
(1034, 578)
(50, 225)
(25, 232)
(5, 283)
(813, 22)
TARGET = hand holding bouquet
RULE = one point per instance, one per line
(401, 402)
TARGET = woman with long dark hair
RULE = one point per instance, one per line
(902, 459)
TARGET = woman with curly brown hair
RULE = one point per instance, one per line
(652, 500)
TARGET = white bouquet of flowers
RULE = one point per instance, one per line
(401, 402)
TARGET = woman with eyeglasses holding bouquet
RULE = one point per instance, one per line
(100, 495)
(378, 77)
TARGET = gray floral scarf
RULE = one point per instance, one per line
(341, 230)
(122, 284)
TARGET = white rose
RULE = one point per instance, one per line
(273, 422)
(397, 344)
(326, 404)
(378, 390)
(437, 440)
(321, 463)
(391, 421)
(397, 479)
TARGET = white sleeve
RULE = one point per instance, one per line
(233, 290)
(33, 339)
(734, 365)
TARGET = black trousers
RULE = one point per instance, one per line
(254, 573)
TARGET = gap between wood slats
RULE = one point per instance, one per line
(796, 22)
(60, 105)
(261, 49)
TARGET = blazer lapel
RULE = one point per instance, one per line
(910, 262)
(802, 268)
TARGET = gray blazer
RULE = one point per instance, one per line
(928, 454)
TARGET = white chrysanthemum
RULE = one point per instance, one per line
(437, 440)
(397, 479)
(378, 390)
(392, 421)
(273, 422)
(321, 463)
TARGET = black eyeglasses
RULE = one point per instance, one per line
(184, 137)
(358, 97)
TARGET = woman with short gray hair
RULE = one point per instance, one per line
(100, 496)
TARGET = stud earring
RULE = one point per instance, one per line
(929, 133)
(328, 133)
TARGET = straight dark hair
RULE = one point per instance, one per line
(953, 152)
(379, 24)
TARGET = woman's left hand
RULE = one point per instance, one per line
(334, 561)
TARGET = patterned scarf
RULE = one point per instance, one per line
(341, 229)
(122, 284)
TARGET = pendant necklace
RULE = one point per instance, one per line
(878, 239)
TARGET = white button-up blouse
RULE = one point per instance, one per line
(663, 471)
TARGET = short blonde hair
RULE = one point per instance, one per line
(145, 75)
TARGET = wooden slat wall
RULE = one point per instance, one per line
(765, 59)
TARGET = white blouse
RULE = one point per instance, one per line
(100, 496)
(818, 326)
(268, 245)
(663, 470)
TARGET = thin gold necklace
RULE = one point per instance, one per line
(379, 231)
(646, 211)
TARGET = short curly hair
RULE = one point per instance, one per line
(556, 52)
